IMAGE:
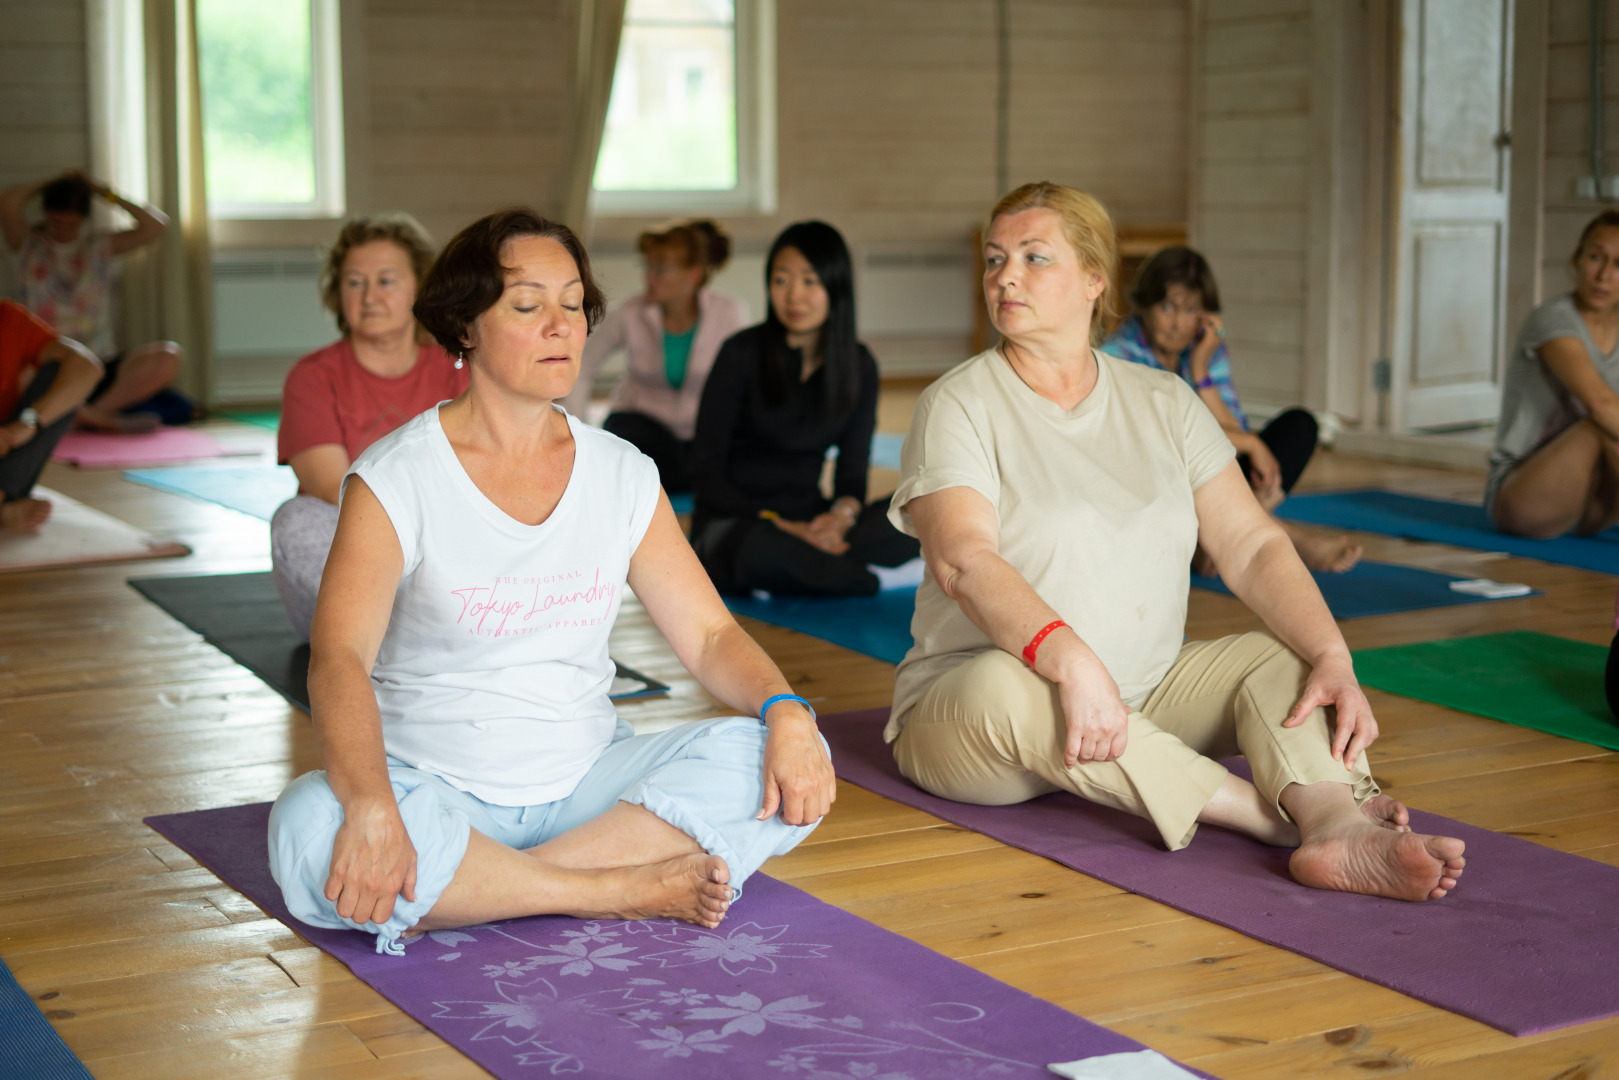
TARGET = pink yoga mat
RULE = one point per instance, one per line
(98, 450)
(1528, 941)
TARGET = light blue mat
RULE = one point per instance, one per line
(878, 626)
(252, 489)
(1411, 517)
(1374, 588)
(30, 1049)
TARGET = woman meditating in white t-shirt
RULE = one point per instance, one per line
(1058, 493)
(475, 768)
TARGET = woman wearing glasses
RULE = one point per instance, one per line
(1177, 327)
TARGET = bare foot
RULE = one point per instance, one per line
(24, 515)
(1387, 812)
(693, 888)
(1335, 553)
(91, 418)
(1372, 859)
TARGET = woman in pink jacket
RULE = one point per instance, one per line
(671, 332)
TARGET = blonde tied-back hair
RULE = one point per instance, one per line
(1088, 228)
(396, 227)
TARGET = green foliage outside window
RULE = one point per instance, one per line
(258, 126)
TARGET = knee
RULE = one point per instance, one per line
(1277, 665)
(303, 826)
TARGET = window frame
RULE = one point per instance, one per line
(326, 131)
(755, 189)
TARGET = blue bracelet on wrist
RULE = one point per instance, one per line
(764, 710)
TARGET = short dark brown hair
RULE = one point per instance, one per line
(1175, 266)
(1607, 219)
(66, 195)
(468, 277)
(395, 227)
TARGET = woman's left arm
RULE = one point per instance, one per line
(676, 592)
(1258, 563)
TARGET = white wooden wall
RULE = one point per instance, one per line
(44, 110)
(1251, 191)
(1566, 138)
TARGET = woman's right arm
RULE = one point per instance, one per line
(320, 470)
(960, 535)
(1571, 365)
(373, 860)
(717, 418)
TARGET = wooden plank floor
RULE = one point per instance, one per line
(150, 967)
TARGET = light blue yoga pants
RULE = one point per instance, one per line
(704, 778)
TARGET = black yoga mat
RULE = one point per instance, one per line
(240, 615)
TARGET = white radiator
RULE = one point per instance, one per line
(267, 313)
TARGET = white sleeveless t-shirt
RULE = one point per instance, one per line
(494, 670)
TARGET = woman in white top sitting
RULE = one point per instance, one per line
(671, 334)
(1058, 493)
(475, 768)
(1555, 466)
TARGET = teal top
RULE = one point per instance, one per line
(676, 352)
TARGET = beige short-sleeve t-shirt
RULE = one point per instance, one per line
(1094, 503)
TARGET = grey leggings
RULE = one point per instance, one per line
(300, 536)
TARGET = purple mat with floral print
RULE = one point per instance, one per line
(1528, 941)
(787, 986)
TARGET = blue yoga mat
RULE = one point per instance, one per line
(252, 489)
(30, 1049)
(1412, 517)
(878, 626)
(1374, 588)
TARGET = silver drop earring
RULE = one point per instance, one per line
(460, 361)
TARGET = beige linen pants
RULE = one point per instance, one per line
(992, 732)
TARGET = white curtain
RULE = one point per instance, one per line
(146, 141)
(601, 24)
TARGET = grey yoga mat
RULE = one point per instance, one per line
(240, 615)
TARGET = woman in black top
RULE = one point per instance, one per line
(780, 395)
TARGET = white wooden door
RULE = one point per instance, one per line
(1449, 287)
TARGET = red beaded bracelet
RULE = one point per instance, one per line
(1033, 646)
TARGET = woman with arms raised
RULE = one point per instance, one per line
(1555, 466)
(782, 395)
(1059, 493)
(475, 768)
(340, 399)
(671, 333)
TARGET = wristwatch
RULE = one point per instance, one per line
(29, 416)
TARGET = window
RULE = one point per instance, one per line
(272, 122)
(690, 121)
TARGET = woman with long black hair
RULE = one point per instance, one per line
(781, 395)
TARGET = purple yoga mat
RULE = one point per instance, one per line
(786, 986)
(1528, 941)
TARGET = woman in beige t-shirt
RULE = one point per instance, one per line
(1058, 494)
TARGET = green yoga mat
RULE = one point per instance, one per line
(269, 419)
(1537, 681)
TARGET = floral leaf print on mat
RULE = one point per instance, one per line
(786, 987)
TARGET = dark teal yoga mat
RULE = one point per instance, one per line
(30, 1049)
(1374, 588)
(878, 626)
(1412, 517)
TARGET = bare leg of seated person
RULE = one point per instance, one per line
(626, 864)
(991, 732)
(1570, 484)
(142, 372)
(1334, 552)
